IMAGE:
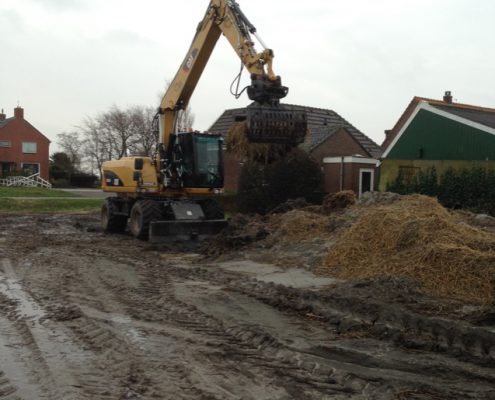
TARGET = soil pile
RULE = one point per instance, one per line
(414, 237)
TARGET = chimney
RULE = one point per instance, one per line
(447, 98)
(2, 116)
(19, 112)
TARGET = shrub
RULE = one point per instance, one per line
(472, 189)
(264, 186)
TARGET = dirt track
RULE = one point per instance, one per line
(89, 316)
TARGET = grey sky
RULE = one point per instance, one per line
(66, 59)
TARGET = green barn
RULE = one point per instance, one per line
(440, 134)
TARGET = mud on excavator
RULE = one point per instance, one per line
(171, 195)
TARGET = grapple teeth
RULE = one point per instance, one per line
(275, 124)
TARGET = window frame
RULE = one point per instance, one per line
(31, 163)
(29, 152)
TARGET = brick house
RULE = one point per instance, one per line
(347, 156)
(22, 147)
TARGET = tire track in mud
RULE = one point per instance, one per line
(443, 374)
(149, 341)
(155, 301)
(231, 345)
(60, 368)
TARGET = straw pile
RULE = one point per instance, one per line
(299, 225)
(238, 145)
(338, 201)
(416, 238)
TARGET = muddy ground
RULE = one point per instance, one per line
(84, 315)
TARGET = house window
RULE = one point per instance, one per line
(5, 143)
(29, 147)
(30, 169)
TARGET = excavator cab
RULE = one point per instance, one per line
(200, 159)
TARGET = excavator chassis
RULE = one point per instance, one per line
(162, 220)
(163, 231)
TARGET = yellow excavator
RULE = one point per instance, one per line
(171, 195)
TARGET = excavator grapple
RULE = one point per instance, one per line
(275, 124)
(268, 121)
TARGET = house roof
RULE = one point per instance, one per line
(481, 115)
(5, 122)
(322, 124)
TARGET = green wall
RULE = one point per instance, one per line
(433, 137)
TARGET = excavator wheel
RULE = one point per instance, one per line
(142, 213)
(110, 221)
(212, 209)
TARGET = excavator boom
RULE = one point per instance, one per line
(267, 120)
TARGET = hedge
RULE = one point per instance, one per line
(472, 189)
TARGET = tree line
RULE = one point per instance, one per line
(111, 135)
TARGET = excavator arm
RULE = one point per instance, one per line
(267, 121)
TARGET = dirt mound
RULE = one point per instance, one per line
(416, 238)
(289, 205)
(241, 231)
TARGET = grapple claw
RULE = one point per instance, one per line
(275, 124)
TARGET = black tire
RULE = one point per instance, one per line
(142, 214)
(212, 209)
(111, 222)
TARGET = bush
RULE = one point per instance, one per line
(83, 180)
(264, 186)
(472, 189)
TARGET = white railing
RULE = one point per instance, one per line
(34, 180)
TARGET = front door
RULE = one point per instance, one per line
(366, 178)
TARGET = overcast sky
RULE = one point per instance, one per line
(67, 59)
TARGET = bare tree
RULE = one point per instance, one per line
(145, 138)
(185, 120)
(95, 145)
(117, 133)
(72, 145)
(116, 127)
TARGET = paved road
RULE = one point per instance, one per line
(92, 193)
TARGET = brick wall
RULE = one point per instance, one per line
(339, 144)
(18, 131)
(345, 176)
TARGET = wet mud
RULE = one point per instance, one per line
(84, 315)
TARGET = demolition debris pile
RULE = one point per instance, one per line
(383, 235)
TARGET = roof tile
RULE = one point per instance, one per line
(322, 124)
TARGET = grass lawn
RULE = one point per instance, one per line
(49, 205)
(32, 192)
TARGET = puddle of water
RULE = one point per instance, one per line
(57, 348)
(132, 333)
(12, 367)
